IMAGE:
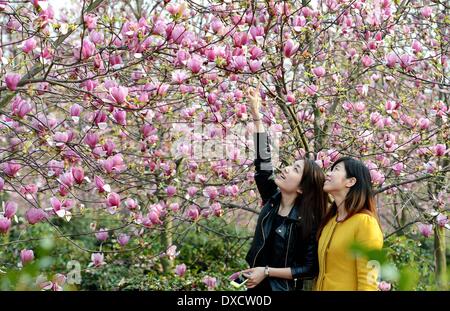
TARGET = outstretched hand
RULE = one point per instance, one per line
(254, 102)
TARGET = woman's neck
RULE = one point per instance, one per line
(339, 199)
(287, 202)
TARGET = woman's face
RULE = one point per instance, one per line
(289, 177)
(336, 180)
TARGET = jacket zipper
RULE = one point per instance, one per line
(285, 260)
(264, 239)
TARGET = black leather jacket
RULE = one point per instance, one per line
(300, 255)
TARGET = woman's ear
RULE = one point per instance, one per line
(350, 182)
(299, 190)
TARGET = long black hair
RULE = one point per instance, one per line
(312, 202)
(360, 198)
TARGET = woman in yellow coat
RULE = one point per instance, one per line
(351, 218)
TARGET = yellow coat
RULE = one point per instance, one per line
(339, 269)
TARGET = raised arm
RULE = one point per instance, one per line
(263, 163)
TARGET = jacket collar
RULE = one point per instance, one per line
(275, 201)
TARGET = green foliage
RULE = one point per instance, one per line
(206, 252)
(413, 257)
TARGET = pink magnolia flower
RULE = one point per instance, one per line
(180, 270)
(12, 80)
(113, 200)
(67, 179)
(91, 140)
(100, 184)
(55, 167)
(397, 168)
(171, 252)
(384, 286)
(88, 49)
(416, 46)
(210, 282)
(360, 107)
(195, 64)
(2, 183)
(102, 235)
(35, 215)
(97, 259)
(240, 39)
(290, 48)
(311, 90)
(29, 45)
(391, 59)
(211, 192)
(171, 190)
(426, 11)
(55, 285)
(424, 123)
(78, 174)
(20, 107)
(29, 189)
(174, 207)
(406, 61)
(319, 72)
(425, 229)
(192, 191)
(120, 116)
(256, 52)
(239, 62)
(255, 65)
(377, 176)
(123, 239)
(119, 94)
(114, 164)
(216, 209)
(439, 150)
(26, 256)
(442, 220)
(57, 207)
(131, 204)
(193, 213)
(10, 209)
(5, 224)
(90, 21)
(178, 76)
(109, 147)
(60, 138)
(153, 218)
(430, 167)
(217, 25)
(11, 168)
(367, 61)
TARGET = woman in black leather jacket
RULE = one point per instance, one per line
(284, 248)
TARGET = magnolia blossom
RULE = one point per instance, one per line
(26, 256)
(29, 45)
(171, 190)
(102, 235)
(12, 80)
(171, 252)
(442, 220)
(290, 48)
(35, 215)
(425, 229)
(97, 259)
(210, 282)
(10, 209)
(180, 270)
(384, 286)
(123, 239)
(5, 224)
